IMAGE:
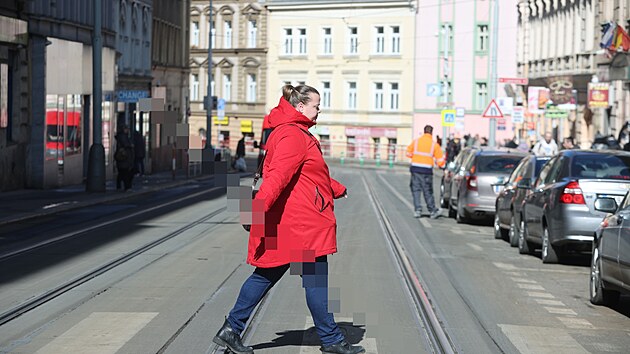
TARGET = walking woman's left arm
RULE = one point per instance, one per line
(339, 190)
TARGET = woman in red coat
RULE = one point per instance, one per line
(293, 222)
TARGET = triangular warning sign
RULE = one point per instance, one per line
(492, 111)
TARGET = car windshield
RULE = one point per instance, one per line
(601, 166)
(497, 163)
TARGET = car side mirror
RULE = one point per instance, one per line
(501, 181)
(256, 146)
(607, 205)
(524, 183)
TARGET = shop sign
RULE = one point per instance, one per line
(221, 120)
(598, 95)
(518, 113)
(247, 126)
(537, 98)
(555, 112)
(560, 89)
(130, 96)
(371, 132)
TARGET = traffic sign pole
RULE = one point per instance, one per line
(493, 65)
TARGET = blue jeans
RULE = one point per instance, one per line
(422, 182)
(315, 282)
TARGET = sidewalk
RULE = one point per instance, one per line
(22, 205)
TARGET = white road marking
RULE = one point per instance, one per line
(100, 333)
(560, 311)
(425, 223)
(457, 231)
(541, 340)
(475, 247)
(524, 280)
(515, 274)
(504, 266)
(530, 286)
(541, 295)
(576, 323)
(549, 302)
(368, 343)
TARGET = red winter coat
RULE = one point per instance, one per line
(295, 200)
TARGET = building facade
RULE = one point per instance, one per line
(237, 33)
(359, 55)
(561, 39)
(453, 66)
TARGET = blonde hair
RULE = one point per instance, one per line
(298, 94)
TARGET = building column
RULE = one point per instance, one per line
(36, 147)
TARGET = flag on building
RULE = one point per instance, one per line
(621, 40)
(608, 34)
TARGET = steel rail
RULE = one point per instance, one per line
(438, 338)
(41, 299)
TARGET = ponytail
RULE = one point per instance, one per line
(300, 93)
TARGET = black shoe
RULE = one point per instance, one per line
(226, 337)
(342, 347)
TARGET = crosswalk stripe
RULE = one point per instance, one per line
(541, 340)
(576, 323)
(560, 311)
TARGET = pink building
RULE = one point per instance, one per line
(467, 27)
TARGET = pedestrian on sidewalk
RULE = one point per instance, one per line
(423, 151)
(138, 152)
(124, 157)
(546, 146)
(295, 204)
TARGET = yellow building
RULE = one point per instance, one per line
(359, 55)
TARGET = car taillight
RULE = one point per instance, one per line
(572, 194)
(471, 182)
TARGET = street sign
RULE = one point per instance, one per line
(221, 104)
(514, 80)
(445, 104)
(434, 90)
(448, 117)
(518, 114)
(492, 111)
(555, 112)
(505, 104)
(501, 124)
(460, 112)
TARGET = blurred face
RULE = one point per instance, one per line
(547, 137)
(311, 108)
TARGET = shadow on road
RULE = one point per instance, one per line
(354, 334)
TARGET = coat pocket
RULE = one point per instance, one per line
(320, 202)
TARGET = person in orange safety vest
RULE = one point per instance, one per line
(423, 152)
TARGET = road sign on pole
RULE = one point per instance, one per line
(514, 80)
(448, 117)
(518, 114)
(492, 111)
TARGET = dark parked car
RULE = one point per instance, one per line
(474, 192)
(610, 261)
(510, 199)
(452, 169)
(559, 211)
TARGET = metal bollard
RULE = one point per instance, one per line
(361, 160)
(342, 159)
(378, 160)
(391, 161)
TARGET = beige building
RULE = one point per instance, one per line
(359, 55)
(559, 45)
(238, 69)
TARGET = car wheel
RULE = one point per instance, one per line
(499, 233)
(443, 201)
(599, 295)
(513, 233)
(524, 247)
(452, 212)
(549, 254)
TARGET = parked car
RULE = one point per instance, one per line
(510, 199)
(559, 211)
(452, 169)
(610, 260)
(474, 191)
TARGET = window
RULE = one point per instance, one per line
(327, 35)
(227, 39)
(354, 40)
(302, 41)
(481, 95)
(395, 39)
(194, 87)
(378, 96)
(227, 87)
(251, 88)
(352, 95)
(252, 31)
(194, 34)
(326, 94)
(213, 35)
(380, 40)
(288, 41)
(63, 126)
(482, 38)
(394, 95)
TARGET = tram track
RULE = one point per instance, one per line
(437, 337)
(63, 288)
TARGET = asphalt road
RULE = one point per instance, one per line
(173, 296)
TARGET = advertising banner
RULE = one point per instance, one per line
(560, 89)
(598, 95)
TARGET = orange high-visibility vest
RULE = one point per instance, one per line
(423, 151)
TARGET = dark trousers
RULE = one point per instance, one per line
(314, 281)
(125, 175)
(422, 182)
(139, 165)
